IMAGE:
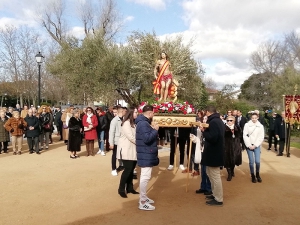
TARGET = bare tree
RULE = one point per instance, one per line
(17, 55)
(52, 19)
(268, 58)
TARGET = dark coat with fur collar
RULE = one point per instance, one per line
(233, 150)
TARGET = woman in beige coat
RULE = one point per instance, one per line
(126, 151)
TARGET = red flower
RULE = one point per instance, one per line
(184, 112)
(156, 99)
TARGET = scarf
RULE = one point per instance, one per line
(231, 127)
(89, 118)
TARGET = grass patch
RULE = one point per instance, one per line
(295, 145)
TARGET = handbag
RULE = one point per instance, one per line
(47, 126)
(65, 126)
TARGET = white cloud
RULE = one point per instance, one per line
(77, 32)
(227, 32)
(129, 18)
(155, 4)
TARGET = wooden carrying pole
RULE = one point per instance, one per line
(188, 166)
(175, 155)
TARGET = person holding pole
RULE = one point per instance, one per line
(280, 133)
(147, 152)
(213, 154)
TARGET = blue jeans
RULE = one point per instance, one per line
(254, 155)
(205, 182)
(101, 139)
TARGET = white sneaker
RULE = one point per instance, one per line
(146, 206)
(99, 152)
(170, 167)
(182, 167)
(114, 173)
(103, 153)
(150, 201)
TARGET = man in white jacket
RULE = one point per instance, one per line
(114, 134)
(253, 136)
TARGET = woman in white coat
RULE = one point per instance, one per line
(253, 136)
(126, 151)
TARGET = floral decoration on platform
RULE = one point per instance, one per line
(170, 107)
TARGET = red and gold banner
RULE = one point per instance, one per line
(292, 108)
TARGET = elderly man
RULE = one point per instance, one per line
(32, 132)
(15, 125)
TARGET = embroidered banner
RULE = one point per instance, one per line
(292, 108)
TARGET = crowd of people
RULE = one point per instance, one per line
(134, 140)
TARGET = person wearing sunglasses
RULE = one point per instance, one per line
(233, 149)
(253, 136)
(45, 121)
(90, 123)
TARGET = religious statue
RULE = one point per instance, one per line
(163, 76)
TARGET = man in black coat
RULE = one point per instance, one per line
(271, 129)
(240, 122)
(280, 128)
(32, 132)
(213, 154)
(57, 121)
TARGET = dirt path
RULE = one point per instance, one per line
(53, 189)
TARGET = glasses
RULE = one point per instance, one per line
(229, 120)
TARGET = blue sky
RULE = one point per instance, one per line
(225, 32)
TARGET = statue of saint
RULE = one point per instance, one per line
(163, 76)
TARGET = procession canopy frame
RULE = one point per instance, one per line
(174, 120)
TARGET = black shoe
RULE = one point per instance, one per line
(200, 191)
(275, 150)
(30, 152)
(258, 178)
(269, 149)
(72, 157)
(120, 168)
(5, 151)
(133, 192)
(253, 179)
(38, 153)
(280, 154)
(122, 194)
(214, 203)
(208, 193)
(209, 197)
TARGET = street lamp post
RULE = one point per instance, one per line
(39, 59)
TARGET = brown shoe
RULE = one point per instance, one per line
(186, 171)
(195, 173)
(14, 153)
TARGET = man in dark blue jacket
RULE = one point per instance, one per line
(213, 154)
(147, 152)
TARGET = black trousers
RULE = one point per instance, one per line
(3, 145)
(126, 180)
(60, 131)
(33, 143)
(181, 142)
(271, 136)
(114, 158)
(281, 145)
